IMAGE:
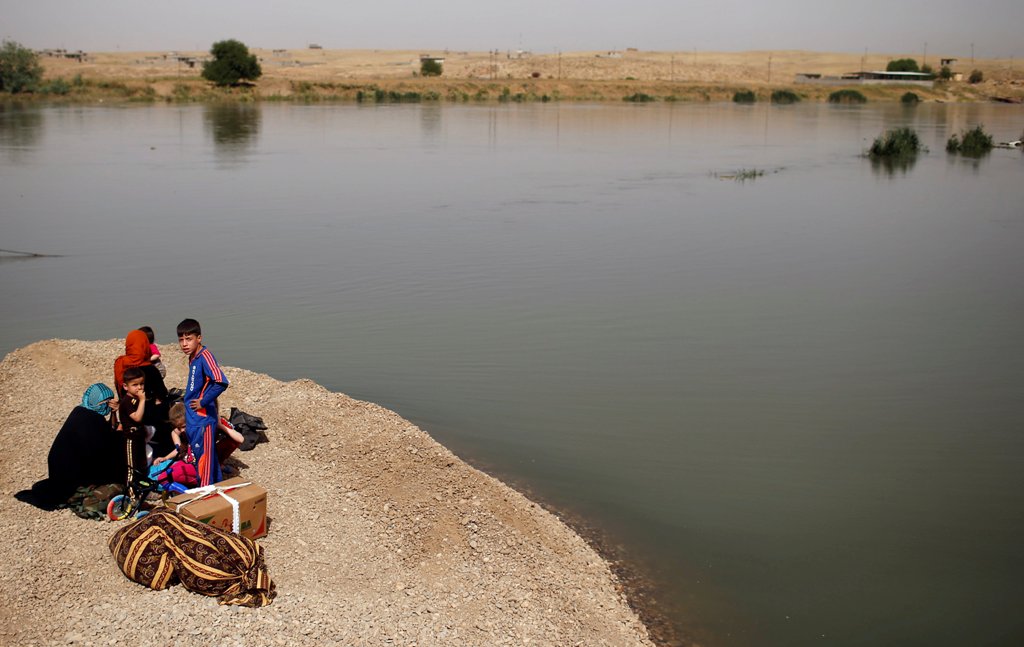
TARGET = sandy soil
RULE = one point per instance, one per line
(378, 535)
(565, 73)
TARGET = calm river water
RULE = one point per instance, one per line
(795, 400)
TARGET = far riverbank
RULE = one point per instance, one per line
(392, 76)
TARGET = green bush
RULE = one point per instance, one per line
(972, 143)
(784, 97)
(431, 67)
(56, 86)
(902, 65)
(910, 98)
(744, 96)
(976, 77)
(20, 70)
(847, 96)
(945, 73)
(231, 64)
(896, 143)
(639, 97)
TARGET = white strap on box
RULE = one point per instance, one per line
(210, 490)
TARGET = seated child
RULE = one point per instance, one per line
(228, 440)
(178, 466)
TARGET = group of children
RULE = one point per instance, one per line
(186, 442)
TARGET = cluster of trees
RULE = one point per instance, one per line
(910, 65)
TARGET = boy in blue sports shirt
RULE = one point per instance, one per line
(204, 383)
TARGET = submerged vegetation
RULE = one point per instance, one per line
(895, 150)
(972, 143)
(744, 174)
(896, 143)
(847, 96)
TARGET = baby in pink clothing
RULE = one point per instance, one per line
(154, 352)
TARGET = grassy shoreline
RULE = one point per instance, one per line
(385, 90)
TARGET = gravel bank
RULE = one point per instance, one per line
(378, 535)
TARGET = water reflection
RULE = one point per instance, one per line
(430, 121)
(891, 166)
(20, 130)
(234, 127)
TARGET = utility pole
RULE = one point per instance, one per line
(972, 54)
(862, 58)
(559, 65)
(672, 69)
(924, 56)
(769, 67)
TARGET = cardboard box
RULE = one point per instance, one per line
(215, 510)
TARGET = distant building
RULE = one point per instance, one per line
(868, 78)
(947, 62)
(315, 46)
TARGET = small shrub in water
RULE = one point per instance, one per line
(784, 97)
(899, 142)
(972, 143)
(847, 96)
(910, 99)
(744, 96)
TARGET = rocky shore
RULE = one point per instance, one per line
(378, 534)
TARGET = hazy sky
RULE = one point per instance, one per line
(891, 27)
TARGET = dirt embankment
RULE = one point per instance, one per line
(378, 535)
(318, 74)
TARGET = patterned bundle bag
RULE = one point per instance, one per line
(164, 547)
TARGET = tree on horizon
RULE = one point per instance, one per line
(231, 63)
(902, 65)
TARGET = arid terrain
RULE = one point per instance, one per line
(684, 75)
(378, 534)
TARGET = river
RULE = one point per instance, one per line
(785, 381)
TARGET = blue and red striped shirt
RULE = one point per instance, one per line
(205, 383)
